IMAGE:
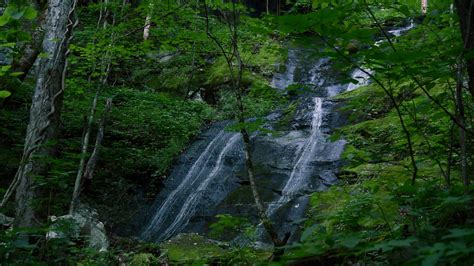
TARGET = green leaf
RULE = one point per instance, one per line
(393, 244)
(351, 241)
(8, 44)
(405, 11)
(4, 94)
(4, 20)
(30, 13)
(43, 55)
(459, 233)
(14, 12)
(16, 74)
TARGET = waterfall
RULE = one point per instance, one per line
(209, 178)
(302, 170)
(185, 198)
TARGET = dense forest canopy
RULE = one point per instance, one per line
(312, 132)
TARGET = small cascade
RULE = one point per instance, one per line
(180, 205)
(302, 170)
(400, 31)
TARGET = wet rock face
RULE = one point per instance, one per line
(210, 178)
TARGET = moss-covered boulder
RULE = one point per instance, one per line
(192, 248)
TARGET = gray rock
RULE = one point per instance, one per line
(83, 222)
(5, 220)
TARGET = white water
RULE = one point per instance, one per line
(189, 206)
(192, 176)
(400, 31)
(302, 170)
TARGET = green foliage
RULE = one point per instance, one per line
(15, 249)
(146, 131)
(191, 249)
(4, 94)
(376, 215)
(386, 220)
(228, 225)
(12, 36)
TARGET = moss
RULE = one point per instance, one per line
(264, 58)
(191, 248)
(144, 259)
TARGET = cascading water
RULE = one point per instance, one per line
(302, 169)
(210, 178)
(180, 205)
(400, 31)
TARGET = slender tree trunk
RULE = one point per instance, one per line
(45, 108)
(450, 155)
(84, 148)
(424, 7)
(466, 21)
(268, 9)
(146, 29)
(87, 171)
(90, 167)
(461, 119)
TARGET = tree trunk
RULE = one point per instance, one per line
(87, 171)
(31, 50)
(45, 108)
(461, 120)
(90, 167)
(466, 21)
(424, 7)
(146, 29)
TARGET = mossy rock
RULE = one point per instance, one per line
(191, 248)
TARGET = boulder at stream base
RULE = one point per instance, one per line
(83, 223)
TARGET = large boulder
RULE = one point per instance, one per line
(83, 223)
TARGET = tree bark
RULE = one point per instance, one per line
(424, 7)
(45, 109)
(466, 21)
(89, 169)
(461, 118)
(146, 29)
